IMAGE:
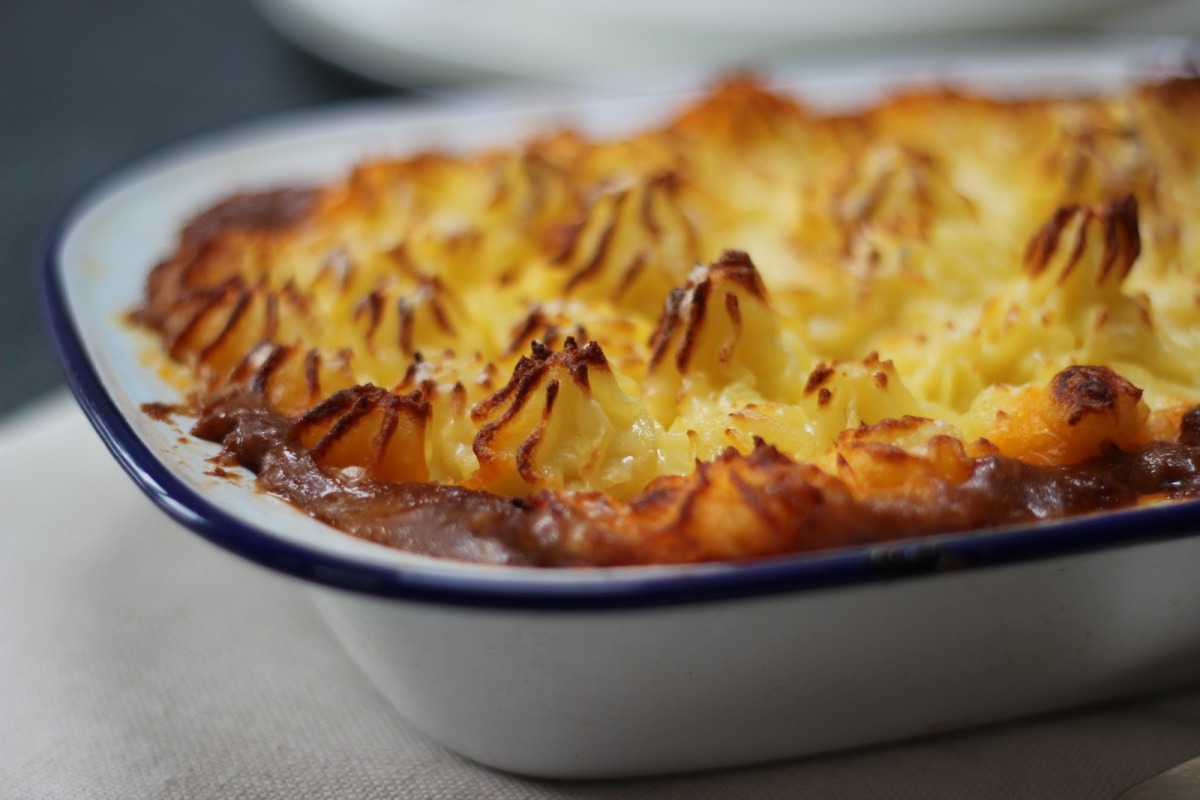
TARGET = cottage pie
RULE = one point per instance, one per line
(758, 329)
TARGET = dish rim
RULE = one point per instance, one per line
(446, 582)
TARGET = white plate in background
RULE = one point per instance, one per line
(606, 43)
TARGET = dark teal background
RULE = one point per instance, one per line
(85, 87)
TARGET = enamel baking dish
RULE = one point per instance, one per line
(631, 671)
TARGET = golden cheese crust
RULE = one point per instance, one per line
(658, 332)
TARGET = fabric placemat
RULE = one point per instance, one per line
(137, 660)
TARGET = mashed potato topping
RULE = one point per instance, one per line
(648, 339)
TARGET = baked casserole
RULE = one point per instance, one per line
(758, 329)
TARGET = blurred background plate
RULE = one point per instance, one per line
(604, 43)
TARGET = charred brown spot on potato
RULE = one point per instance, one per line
(439, 296)
(513, 394)
(523, 334)
(275, 210)
(1084, 390)
(371, 307)
(526, 466)
(735, 317)
(818, 377)
(274, 359)
(668, 323)
(563, 239)
(1118, 229)
(593, 264)
(697, 311)
(527, 376)
(357, 426)
(688, 309)
(735, 267)
(1044, 243)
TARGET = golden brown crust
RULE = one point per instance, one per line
(755, 329)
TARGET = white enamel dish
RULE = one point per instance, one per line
(602, 673)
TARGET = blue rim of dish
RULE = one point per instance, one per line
(858, 565)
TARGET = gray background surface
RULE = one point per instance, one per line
(87, 87)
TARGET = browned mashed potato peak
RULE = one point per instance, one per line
(755, 330)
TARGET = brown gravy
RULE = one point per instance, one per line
(454, 522)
